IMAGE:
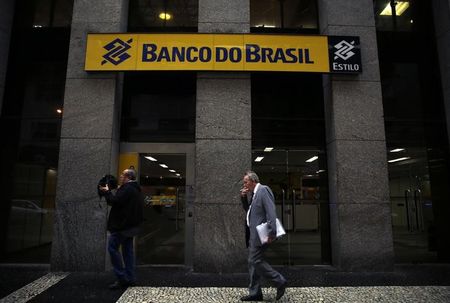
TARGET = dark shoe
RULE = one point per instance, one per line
(252, 298)
(118, 285)
(280, 290)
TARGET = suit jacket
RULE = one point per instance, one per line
(262, 210)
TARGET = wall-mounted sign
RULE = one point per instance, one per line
(222, 52)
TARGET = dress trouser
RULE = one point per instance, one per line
(258, 268)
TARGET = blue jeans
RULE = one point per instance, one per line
(124, 274)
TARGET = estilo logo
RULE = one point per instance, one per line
(345, 54)
(117, 51)
(344, 50)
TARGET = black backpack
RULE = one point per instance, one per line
(106, 179)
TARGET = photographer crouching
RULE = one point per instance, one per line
(123, 224)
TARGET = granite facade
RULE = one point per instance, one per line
(361, 232)
(223, 149)
(89, 143)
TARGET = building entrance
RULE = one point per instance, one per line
(412, 205)
(299, 182)
(165, 172)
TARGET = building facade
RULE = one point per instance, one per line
(359, 164)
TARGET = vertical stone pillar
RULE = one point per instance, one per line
(6, 20)
(223, 149)
(89, 142)
(361, 231)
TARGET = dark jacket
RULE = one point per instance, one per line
(127, 207)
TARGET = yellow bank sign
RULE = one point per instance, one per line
(222, 52)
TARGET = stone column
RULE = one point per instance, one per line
(89, 143)
(223, 149)
(6, 20)
(361, 230)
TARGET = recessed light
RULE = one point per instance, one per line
(163, 165)
(151, 158)
(396, 150)
(259, 159)
(312, 159)
(172, 170)
(165, 16)
(268, 149)
(399, 159)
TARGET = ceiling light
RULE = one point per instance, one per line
(165, 16)
(259, 159)
(397, 150)
(37, 26)
(59, 111)
(320, 171)
(399, 159)
(172, 170)
(268, 149)
(400, 8)
(163, 165)
(312, 159)
(265, 25)
(151, 158)
(177, 175)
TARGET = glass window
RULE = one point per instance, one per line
(395, 15)
(416, 136)
(288, 153)
(52, 13)
(153, 111)
(160, 15)
(287, 15)
(30, 127)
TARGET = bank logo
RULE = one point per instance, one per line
(117, 51)
(344, 50)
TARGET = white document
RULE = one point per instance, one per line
(263, 231)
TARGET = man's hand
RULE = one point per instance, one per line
(244, 191)
(104, 188)
(270, 239)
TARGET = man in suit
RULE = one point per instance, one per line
(261, 209)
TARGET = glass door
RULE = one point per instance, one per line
(166, 174)
(412, 206)
(162, 179)
(299, 183)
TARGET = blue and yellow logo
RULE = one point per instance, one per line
(117, 51)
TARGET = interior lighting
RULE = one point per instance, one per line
(400, 8)
(268, 149)
(399, 159)
(37, 26)
(172, 170)
(178, 175)
(312, 159)
(265, 25)
(59, 111)
(259, 159)
(151, 158)
(165, 16)
(397, 150)
(320, 171)
(163, 165)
